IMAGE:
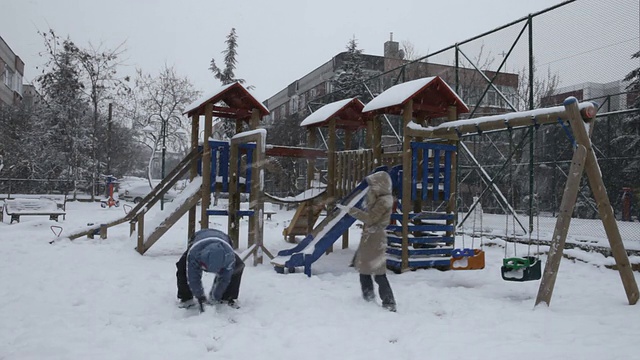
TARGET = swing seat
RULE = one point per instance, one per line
(467, 259)
(521, 269)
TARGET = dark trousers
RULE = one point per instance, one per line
(384, 288)
(184, 292)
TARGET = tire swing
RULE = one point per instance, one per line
(469, 258)
(525, 268)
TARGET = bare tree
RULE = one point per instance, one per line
(160, 102)
(100, 66)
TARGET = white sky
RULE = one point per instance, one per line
(279, 41)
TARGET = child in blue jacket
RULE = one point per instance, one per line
(209, 250)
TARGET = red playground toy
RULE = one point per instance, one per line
(110, 201)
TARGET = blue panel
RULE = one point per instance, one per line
(425, 173)
(422, 228)
(247, 187)
(421, 252)
(224, 167)
(447, 175)
(436, 174)
(214, 167)
(414, 172)
(392, 239)
(397, 264)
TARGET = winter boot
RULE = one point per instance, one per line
(185, 304)
(390, 307)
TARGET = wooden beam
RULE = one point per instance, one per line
(406, 184)
(331, 171)
(206, 167)
(602, 199)
(193, 172)
(561, 229)
(452, 115)
(311, 162)
(502, 122)
(295, 152)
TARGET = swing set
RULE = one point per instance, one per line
(527, 268)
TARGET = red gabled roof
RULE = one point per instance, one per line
(239, 103)
(347, 112)
(431, 96)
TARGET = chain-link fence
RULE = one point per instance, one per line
(580, 48)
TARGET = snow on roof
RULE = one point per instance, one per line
(325, 112)
(207, 97)
(397, 94)
(196, 104)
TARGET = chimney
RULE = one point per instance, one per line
(391, 48)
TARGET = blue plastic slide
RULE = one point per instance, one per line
(322, 237)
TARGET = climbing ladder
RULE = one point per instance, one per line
(430, 239)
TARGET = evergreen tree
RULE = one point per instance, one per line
(66, 112)
(227, 75)
(626, 144)
(350, 81)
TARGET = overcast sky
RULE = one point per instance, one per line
(279, 41)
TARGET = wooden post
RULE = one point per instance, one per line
(193, 172)
(206, 167)
(103, 231)
(233, 227)
(451, 205)
(348, 139)
(140, 248)
(602, 199)
(256, 200)
(254, 122)
(407, 115)
(311, 162)
(239, 126)
(331, 155)
(604, 209)
(562, 225)
(377, 141)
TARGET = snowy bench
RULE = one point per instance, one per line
(268, 210)
(41, 206)
(60, 200)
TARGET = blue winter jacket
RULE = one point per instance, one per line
(210, 251)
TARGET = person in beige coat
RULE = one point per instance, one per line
(370, 259)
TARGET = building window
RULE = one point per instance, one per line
(8, 78)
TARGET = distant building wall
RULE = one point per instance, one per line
(11, 74)
(611, 95)
(309, 91)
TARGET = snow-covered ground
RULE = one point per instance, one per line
(99, 299)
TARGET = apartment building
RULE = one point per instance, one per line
(11, 74)
(314, 87)
(612, 95)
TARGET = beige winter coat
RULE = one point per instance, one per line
(371, 254)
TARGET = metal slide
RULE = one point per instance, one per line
(322, 237)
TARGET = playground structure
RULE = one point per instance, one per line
(110, 201)
(424, 176)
